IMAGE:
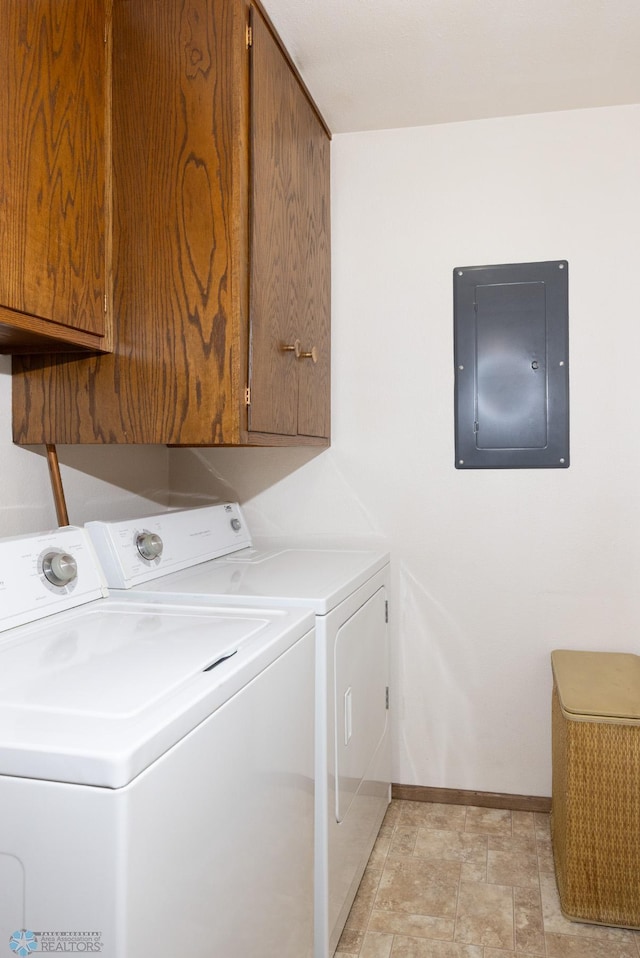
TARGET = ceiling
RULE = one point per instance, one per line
(380, 64)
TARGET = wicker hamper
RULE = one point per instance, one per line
(595, 812)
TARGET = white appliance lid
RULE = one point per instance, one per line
(318, 578)
(95, 694)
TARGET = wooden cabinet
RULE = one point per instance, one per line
(289, 301)
(55, 224)
(221, 245)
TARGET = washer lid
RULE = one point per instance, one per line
(603, 685)
(316, 578)
(95, 694)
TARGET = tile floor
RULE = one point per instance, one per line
(449, 881)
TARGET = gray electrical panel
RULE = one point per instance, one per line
(511, 366)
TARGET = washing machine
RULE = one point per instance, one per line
(156, 789)
(346, 586)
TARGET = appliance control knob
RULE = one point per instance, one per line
(59, 568)
(149, 545)
(236, 524)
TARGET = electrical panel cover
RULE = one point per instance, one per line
(511, 366)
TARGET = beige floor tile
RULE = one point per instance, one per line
(357, 920)
(385, 836)
(485, 915)
(493, 821)
(453, 882)
(545, 858)
(418, 948)
(376, 946)
(529, 925)
(520, 844)
(403, 841)
(419, 887)
(394, 809)
(542, 824)
(433, 815)
(523, 823)
(379, 853)
(363, 903)
(350, 941)
(450, 846)
(359, 914)
(500, 953)
(473, 871)
(543, 841)
(511, 868)
(412, 926)
(353, 933)
(565, 946)
(372, 876)
(389, 822)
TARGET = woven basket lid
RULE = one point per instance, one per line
(599, 684)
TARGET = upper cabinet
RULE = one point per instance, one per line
(55, 223)
(290, 283)
(221, 252)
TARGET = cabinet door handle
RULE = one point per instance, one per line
(313, 354)
(291, 348)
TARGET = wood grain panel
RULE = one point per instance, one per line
(290, 281)
(277, 236)
(181, 233)
(23, 333)
(173, 376)
(314, 387)
(173, 178)
(461, 796)
(54, 156)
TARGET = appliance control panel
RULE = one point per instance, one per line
(135, 551)
(45, 573)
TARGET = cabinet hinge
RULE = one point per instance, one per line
(386, 697)
(386, 610)
(106, 307)
(247, 396)
(249, 36)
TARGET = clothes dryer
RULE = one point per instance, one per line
(347, 588)
(156, 790)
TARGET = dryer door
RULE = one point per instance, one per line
(361, 682)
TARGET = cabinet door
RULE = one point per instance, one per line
(54, 220)
(179, 253)
(290, 283)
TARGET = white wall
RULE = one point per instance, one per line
(492, 569)
(100, 482)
